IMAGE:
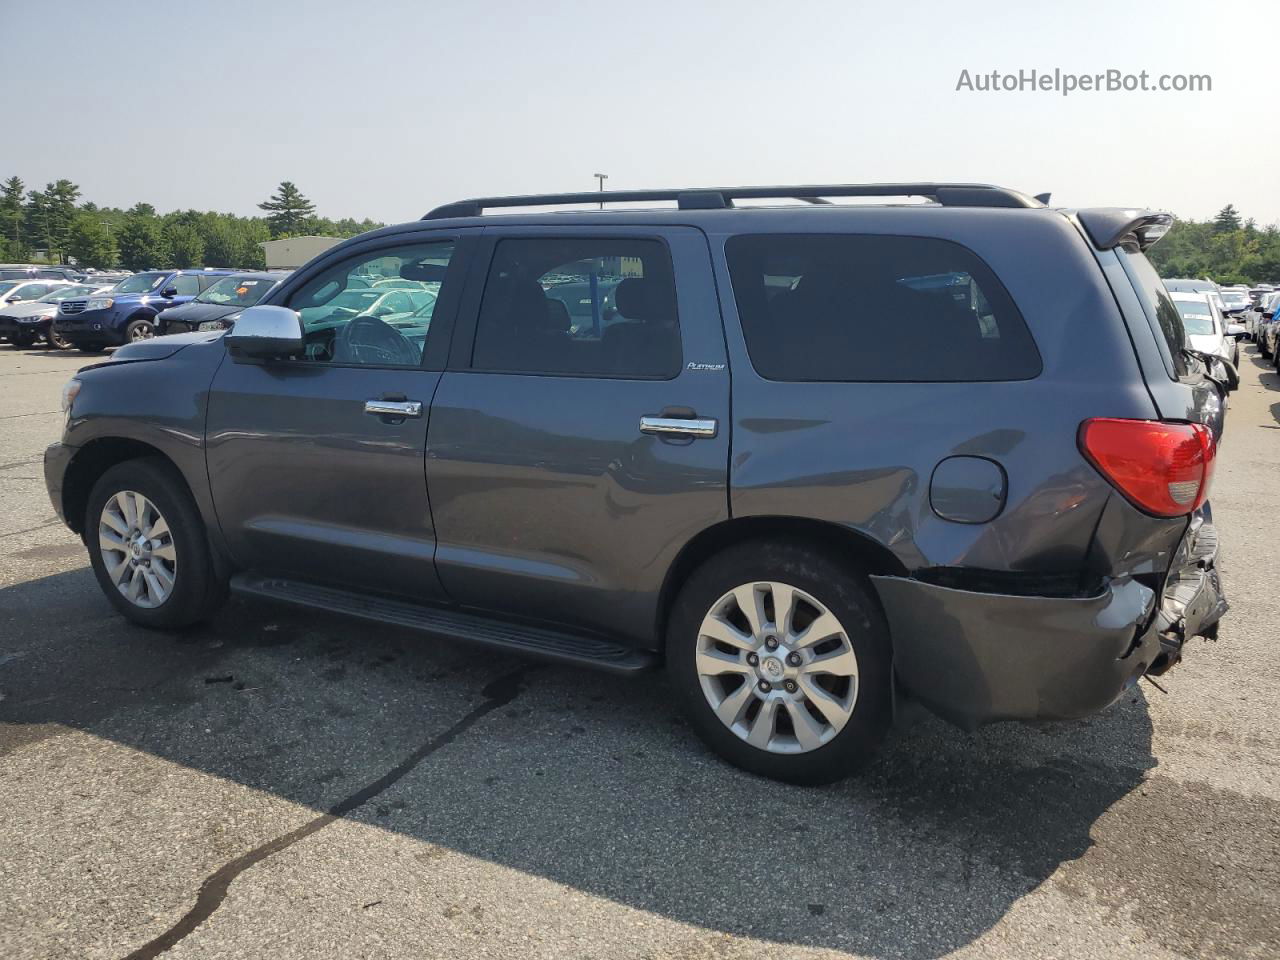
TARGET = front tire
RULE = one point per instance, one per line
(148, 547)
(139, 329)
(57, 341)
(781, 659)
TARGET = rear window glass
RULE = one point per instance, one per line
(1159, 308)
(875, 308)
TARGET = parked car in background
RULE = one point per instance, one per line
(1265, 326)
(1185, 285)
(22, 324)
(19, 271)
(755, 475)
(21, 291)
(213, 307)
(1205, 326)
(128, 312)
(1236, 302)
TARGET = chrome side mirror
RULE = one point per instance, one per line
(264, 333)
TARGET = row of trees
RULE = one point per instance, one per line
(1227, 249)
(54, 223)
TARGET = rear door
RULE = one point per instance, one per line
(316, 464)
(571, 454)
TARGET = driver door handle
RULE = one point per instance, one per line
(393, 408)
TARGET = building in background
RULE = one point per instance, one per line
(292, 252)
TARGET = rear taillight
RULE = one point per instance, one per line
(1162, 468)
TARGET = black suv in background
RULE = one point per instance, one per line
(813, 458)
(215, 307)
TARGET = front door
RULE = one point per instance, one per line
(316, 463)
(580, 436)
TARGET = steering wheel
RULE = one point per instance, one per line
(371, 340)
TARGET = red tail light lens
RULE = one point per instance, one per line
(1162, 468)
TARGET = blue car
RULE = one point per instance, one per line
(127, 312)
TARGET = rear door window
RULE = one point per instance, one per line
(585, 306)
(187, 284)
(875, 308)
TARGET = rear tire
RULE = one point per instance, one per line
(148, 547)
(807, 706)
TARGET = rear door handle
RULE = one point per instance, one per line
(678, 427)
(393, 408)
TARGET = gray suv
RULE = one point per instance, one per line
(813, 458)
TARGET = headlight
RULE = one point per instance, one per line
(99, 303)
(69, 391)
(212, 325)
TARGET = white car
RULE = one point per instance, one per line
(1207, 330)
(23, 323)
(20, 291)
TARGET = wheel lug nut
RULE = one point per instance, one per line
(771, 643)
(753, 659)
(765, 686)
(790, 685)
(793, 659)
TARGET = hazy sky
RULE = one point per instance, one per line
(386, 108)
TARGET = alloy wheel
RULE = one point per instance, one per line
(143, 331)
(777, 667)
(137, 549)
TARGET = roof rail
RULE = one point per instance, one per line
(719, 198)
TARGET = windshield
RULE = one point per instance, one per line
(140, 283)
(1196, 318)
(1231, 296)
(61, 293)
(237, 291)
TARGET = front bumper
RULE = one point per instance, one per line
(976, 658)
(90, 327)
(57, 456)
(23, 327)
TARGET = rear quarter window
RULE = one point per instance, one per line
(1162, 314)
(875, 309)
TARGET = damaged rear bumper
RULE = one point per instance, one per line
(976, 658)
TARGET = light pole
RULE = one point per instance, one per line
(602, 177)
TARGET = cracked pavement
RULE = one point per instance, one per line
(291, 784)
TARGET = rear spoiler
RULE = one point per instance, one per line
(1110, 227)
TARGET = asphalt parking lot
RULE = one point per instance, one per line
(287, 785)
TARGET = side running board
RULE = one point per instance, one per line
(540, 642)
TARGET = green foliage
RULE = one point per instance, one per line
(142, 244)
(1215, 250)
(1228, 219)
(186, 245)
(90, 242)
(12, 246)
(288, 211)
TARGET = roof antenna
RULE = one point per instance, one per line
(1043, 198)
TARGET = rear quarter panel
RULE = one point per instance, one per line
(862, 454)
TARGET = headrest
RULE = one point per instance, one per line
(634, 299)
(557, 317)
(424, 272)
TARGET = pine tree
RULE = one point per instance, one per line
(11, 218)
(288, 211)
(1228, 218)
